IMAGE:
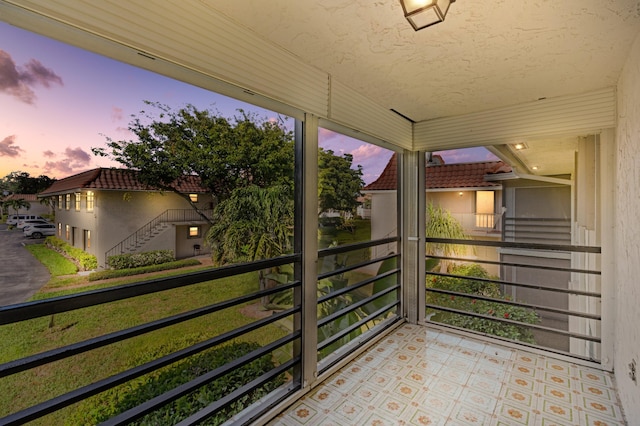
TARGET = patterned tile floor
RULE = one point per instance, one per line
(423, 376)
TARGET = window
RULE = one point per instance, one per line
(59, 202)
(195, 232)
(67, 230)
(90, 200)
(87, 239)
(485, 209)
(67, 201)
(193, 198)
(60, 228)
(77, 199)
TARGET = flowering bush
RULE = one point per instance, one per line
(472, 287)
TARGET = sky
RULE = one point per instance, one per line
(57, 102)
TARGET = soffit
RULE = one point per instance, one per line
(487, 54)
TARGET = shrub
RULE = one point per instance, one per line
(137, 260)
(115, 273)
(125, 397)
(483, 307)
(84, 260)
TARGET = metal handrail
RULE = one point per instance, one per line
(146, 230)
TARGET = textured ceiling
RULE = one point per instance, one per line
(487, 54)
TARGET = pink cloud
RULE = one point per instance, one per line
(8, 149)
(18, 82)
(74, 160)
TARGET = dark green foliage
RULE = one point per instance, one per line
(253, 223)
(115, 273)
(471, 304)
(226, 153)
(128, 396)
(84, 260)
(338, 184)
(137, 260)
(23, 183)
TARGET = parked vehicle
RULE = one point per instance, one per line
(39, 230)
(22, 223)
(13, 219)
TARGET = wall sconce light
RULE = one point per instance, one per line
(424, 13)
(460, 193)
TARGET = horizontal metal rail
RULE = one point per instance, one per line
(354, 306)
(85, 392)
(30, 310)
(357, 285)
(355, 246)
(521, 285)
(376, 331)
(33, 361)
(356, 325)
(512, 322)
(355, 266)
(186, 388)
(520, 265)
(511, 244)
(515, 303)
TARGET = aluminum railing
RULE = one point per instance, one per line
(538, 295)
(360, 310)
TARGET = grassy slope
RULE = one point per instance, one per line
(29, 337)
(35, 336)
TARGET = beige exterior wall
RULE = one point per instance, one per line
(384, 220)
(627, 234)
(118, 214)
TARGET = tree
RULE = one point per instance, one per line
(23, 183)
(225, 153)
(253, 223)
(18, 203)
(338, 184)
(440, 224)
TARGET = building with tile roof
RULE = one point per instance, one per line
(109, 211)
(36, 207)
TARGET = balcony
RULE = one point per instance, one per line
(349, 359)
(420, 375)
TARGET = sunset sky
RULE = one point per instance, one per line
(58, 101)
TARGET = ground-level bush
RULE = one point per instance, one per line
(473, 305)
(84, 260)
(116, 273)
(137, 260)
(124, 398)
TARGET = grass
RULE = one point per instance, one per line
(41, 334)
(56, 263)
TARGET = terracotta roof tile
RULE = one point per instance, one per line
(442, 176)
(26, 197)
(116, 180)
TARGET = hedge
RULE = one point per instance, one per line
(131, 395)
(84, 260)
(137, 260)
(115, 273)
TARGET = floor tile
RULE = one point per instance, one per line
(423, 376)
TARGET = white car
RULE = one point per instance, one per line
(39, 230)
(22, 223)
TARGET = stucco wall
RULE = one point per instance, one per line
(627, 233)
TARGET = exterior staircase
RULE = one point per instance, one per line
(155, 227)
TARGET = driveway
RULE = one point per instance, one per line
(21, 275)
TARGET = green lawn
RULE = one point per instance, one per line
(34, 336)
(38, 335)
(56, 263)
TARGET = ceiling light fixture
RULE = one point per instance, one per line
(519, 146)
(424, 13)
